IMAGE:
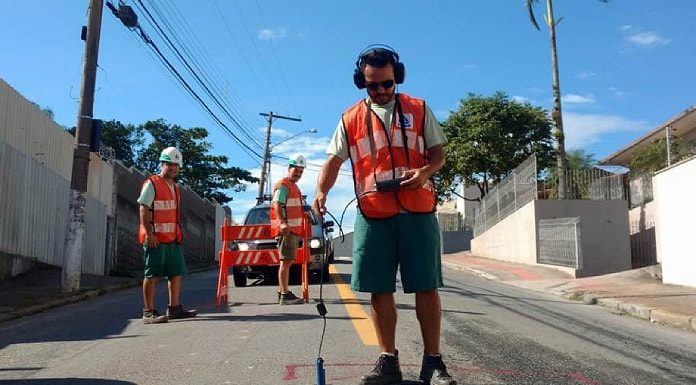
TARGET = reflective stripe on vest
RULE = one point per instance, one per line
(294, 213)
(389, 158)
(165, 212)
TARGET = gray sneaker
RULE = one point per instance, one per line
(386, 372)
(289, 299)
(153, 317)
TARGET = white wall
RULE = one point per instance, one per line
(512, 239)
(606, 246)
(604, 235)
(674, 191)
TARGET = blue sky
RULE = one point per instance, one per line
(626, 66)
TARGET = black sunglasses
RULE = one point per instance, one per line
(374, 86)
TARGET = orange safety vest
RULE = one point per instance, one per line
(165, 212)
(293, 209)
(378, 157)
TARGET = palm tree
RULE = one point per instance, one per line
(556, 115)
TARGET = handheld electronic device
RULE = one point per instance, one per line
(390, 185)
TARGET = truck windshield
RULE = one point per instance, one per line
(261, 215)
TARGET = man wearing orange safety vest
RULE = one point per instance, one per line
(287, 224)
(160, 234)
(394, 144)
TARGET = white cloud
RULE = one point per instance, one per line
(578, 99)
(269, 34)
(627, 28)
(584, 129)
(617, 92)
(585, 75)
(647, 39)
(519, 99)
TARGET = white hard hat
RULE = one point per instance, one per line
(297, 161)
(171, 155)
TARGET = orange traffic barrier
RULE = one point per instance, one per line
(265, 257)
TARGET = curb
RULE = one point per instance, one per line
(471, 270)
(664, 317)
(68, 300)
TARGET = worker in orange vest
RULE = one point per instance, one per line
(287, 217)
(395, 146)
(161, 236)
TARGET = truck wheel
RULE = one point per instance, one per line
(239, 277)
(326, 275)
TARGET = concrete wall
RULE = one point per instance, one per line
(674, 192)
(36, 157)
(604, 235)
(512, 239)
(605, 244)
(455, 241)
(198, 221)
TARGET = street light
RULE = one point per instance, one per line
(310, 131)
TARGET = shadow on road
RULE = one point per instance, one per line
(65, 381)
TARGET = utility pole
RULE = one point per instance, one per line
(669, 146)
(72, 261)
(266, 166)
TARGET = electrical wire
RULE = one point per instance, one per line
(192, 71)
(202, 60)
(138, 29)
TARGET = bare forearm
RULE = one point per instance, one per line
(435, 162)
(146, 219)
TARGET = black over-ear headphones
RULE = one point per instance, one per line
(399, 69)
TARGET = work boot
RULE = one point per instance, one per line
(289, 299)
(153, 317)
(386, 371)
(434, 372)
(178, 312)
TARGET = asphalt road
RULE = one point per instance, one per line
(492, 334)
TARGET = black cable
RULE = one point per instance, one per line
(194, 73)
(183, 82)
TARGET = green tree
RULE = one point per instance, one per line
(204, 173)
(487, 137)
(125, 139)
(556, 113)
(653, 157)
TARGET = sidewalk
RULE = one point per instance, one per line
(634, 292)
(39, 290)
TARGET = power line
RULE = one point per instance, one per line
(137, 28)
(193, 72)
(201, 60)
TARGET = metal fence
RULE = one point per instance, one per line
(586, 184)
(450, 221)
(522, 186)
(513, 192)
(559, 242)
(643, 244)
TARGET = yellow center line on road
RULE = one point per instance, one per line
(361, 321)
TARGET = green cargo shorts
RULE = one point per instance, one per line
(409, 242)
(165, 260)
(287, 244)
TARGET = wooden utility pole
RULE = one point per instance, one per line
(266, 166)
(72, 261)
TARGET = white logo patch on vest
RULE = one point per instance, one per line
(408, 120)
